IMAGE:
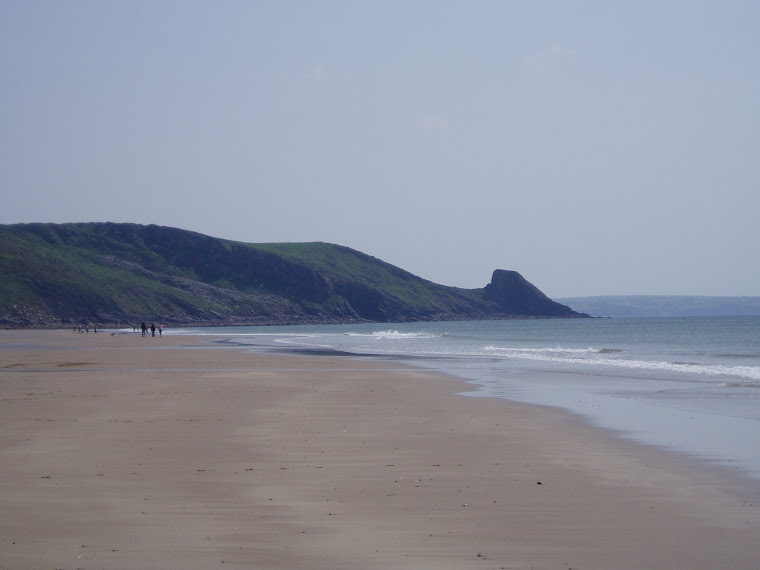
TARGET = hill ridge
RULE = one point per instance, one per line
(120, 274)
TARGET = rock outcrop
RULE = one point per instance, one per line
(516, 296)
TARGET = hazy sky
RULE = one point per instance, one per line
(605, 147)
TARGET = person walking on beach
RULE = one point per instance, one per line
(160, 329)
(143, 328)
(152, 329)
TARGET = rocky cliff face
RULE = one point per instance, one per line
(514, 295)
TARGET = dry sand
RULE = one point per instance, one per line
(129, 452)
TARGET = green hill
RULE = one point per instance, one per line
(121, 274)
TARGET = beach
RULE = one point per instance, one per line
(122, 451)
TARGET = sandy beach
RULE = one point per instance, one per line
(118, 451)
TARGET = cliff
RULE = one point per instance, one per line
(120, 274)
(514, 295)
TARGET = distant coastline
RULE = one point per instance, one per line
(663, 305)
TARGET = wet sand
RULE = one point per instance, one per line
(174, 452)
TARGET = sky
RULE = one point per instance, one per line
(597, 147)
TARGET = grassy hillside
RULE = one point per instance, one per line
(106, 273)
(353, 266)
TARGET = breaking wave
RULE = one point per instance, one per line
(599, 357)
(395, 335)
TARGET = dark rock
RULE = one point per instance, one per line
(516, 296)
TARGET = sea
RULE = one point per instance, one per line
(687, 384)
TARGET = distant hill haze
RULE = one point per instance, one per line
(664, 305)
(56, 275)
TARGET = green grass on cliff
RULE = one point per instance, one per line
(59, 273)
(73, 269)
(69, 279)
(362, 268)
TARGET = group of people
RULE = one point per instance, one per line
(144, 328)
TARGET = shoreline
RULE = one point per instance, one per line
(676, 432)
(59, 325)
(123, 452)
(742, 472)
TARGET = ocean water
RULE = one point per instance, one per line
(690, 384)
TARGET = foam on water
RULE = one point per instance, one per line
(750, 374)
(395, 335)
